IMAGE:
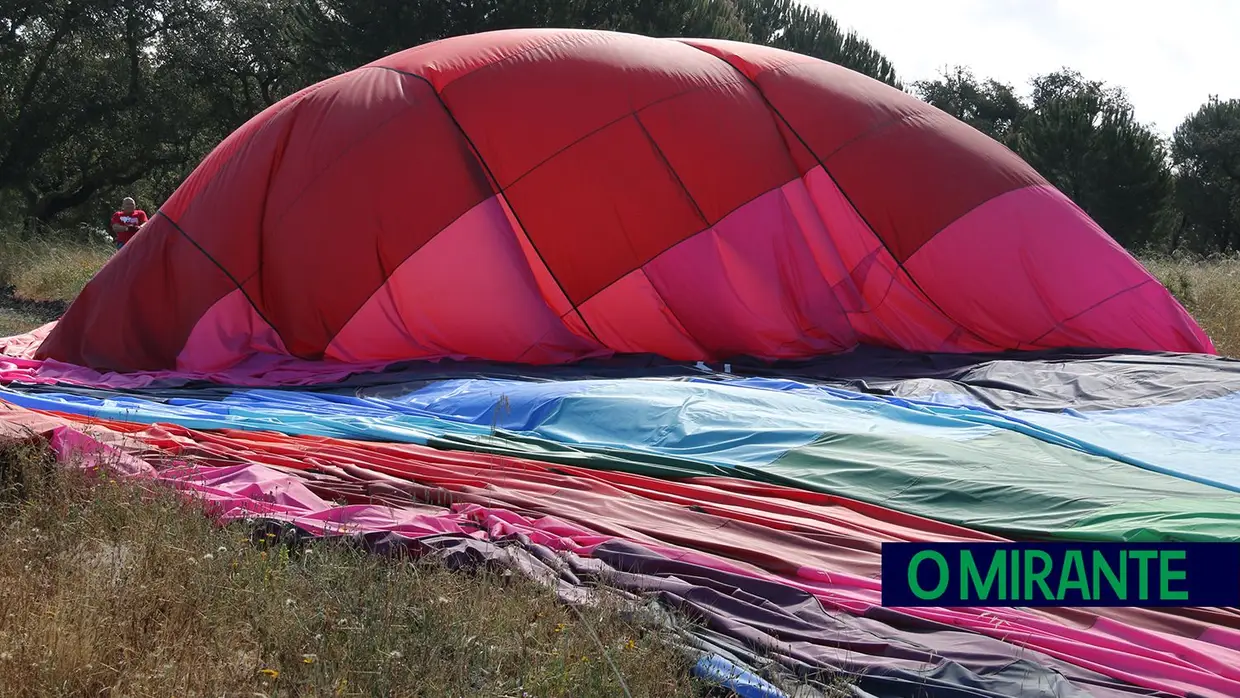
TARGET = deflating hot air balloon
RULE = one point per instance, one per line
(543, 196)
(539, 197)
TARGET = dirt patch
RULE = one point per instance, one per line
(45, 311)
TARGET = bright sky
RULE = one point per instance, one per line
(1170, 55)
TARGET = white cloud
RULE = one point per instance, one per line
(1169, 55)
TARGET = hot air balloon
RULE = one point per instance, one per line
(471, 299)
(544, 196)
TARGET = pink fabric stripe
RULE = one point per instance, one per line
(24, 346)
(1142, 657)
(1023, 270)
(632, 302)
(815, 280)
(884, 306)
(791, 274)
(229, 329)
(752, 286)
(1223, 637)
(1211, 656)
(552, 295)
(468, 293)
(255, 371)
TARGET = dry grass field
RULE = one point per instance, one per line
(112, 587)
(1210, 291)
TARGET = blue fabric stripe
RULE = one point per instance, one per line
(246, 411)
(1195, 440)
(723, 423)
(743, 682)
(747, 422)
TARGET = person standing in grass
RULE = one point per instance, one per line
(127, 222)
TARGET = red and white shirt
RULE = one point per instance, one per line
(132, 222)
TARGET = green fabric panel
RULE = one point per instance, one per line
(1012, 486)
(533, 448)
(1004, 483)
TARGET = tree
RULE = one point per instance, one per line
(102, 97)
(795, 27)
(343, 34)
(1083, 137)
(1205, 149)
(991, 107)
(89, 55)
(117, 93)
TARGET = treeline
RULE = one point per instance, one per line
(103, 98)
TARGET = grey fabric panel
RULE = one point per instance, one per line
(1041, 380)
(1080, 380)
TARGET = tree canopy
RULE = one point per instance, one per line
(1206, 152)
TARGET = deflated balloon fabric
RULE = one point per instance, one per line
(998, 471)
(734, 558)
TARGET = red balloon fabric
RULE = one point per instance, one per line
(544, 196)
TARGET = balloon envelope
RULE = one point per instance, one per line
(543, 196)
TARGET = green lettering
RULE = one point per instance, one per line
(970, 576)
(1118, 584)
(1015, 580)
(1165, 575)
(1073, 564)
(1038, 577)
(944, 577)
(1144, 556)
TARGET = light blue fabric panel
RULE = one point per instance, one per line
(739, 422)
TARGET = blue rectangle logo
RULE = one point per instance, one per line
(1061, 574)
